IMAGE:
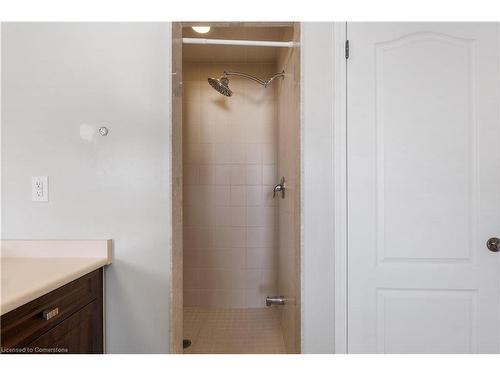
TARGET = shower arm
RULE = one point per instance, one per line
(255, 79)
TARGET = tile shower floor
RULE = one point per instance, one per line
(233, 331)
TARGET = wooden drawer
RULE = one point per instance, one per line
(26, 323)
(77, 334)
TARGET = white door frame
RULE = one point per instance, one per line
(340, 189)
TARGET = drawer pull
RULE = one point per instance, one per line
(49, 314)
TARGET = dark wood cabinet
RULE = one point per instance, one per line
(66, 320)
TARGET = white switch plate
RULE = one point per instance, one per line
(40, 189)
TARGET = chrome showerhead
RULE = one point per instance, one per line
(221, 85)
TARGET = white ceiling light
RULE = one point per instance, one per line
(201, 29)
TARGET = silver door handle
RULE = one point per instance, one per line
(280, 188)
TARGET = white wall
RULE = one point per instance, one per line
(60, 82)
(317, 187)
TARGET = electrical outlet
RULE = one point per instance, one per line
(39, 189)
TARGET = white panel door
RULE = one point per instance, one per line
(423, 188)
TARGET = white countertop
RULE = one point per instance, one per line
(25, 279)
(27, 275)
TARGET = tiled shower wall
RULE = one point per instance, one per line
(230, 218)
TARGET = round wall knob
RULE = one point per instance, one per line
(103, 131)
(493, 244)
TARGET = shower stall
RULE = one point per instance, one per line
(238, 165)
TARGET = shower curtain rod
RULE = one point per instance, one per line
(231, 42)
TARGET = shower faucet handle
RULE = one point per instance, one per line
(280, 188)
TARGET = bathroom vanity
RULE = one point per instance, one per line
(52, 302)
(67, 320)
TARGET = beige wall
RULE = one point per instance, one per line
(288, 111)
(230, 218)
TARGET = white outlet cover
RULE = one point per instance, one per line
(40, 189)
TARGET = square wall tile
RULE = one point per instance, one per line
(207, 133)
(238, 237)
(222, 132)
(237, 133)
(253, 131)
(252, 278)
(223, 216)
(254, 195)
(267, 133)
(223, 237)
(223, 174)
(206, 153)
(238, 154)
(255, 216)
(253, 153)
(268, 153)
(206, 174)
(238, 195)
(238, 174)
(254, 174)
(259, 237)
(197, 238)
(269, 174)
(222, 195)
(191, 173)
(192, 132)
(223, 153)
(238, 216)
(261, 258)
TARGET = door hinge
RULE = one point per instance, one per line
(347, 49)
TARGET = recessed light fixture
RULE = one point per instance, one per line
(201, 29)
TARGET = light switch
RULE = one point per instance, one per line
(39, 189)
